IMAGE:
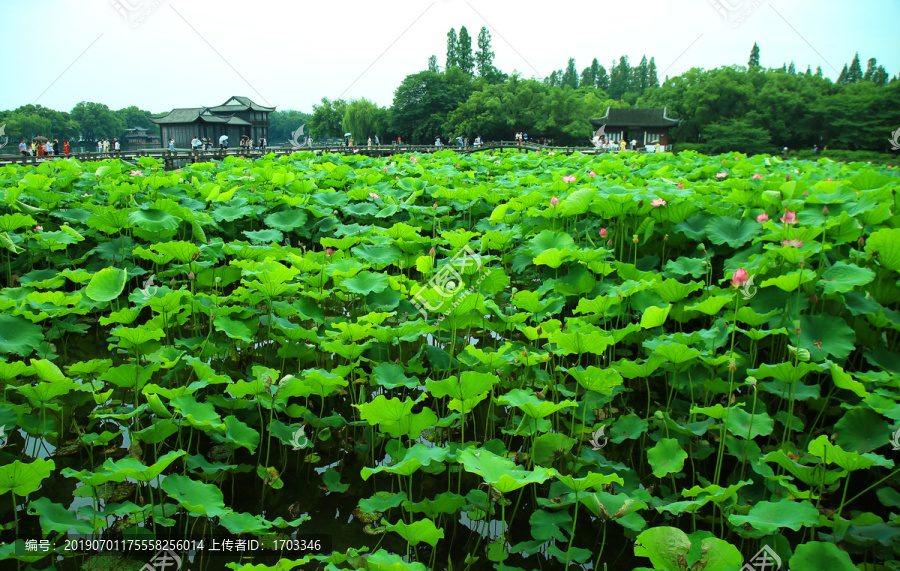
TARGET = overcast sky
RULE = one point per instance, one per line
(160, 54)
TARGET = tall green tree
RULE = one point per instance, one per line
(464, 57)
(361, 118)
(595, 72)
(327, 119)
(854, 73)
(433, 64)
(452, 46)
(484, 57)
(570, 76)
(651, 73)
(844, 77)
(421, 105)
(586, 79)
(792, 69)
(642, 76)
(754, 56)
(602, 79)
(620, 78)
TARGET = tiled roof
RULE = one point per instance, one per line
(635, 118)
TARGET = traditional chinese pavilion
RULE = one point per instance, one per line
(236, 117)
(646, 126)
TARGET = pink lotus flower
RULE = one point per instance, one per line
(829, 178)
(569, 178)
(721, 174)
(756, 176)
(414, 159)
(723, 161)
(385, 169)
(396, 178)
(553, 202)
(603, 233)
(38, 228)
(680, 186)
(657, 202)
(794, 243)
(85, 194)
(592, 174)
(787, 177)
(373, 195)
(740, 277)
(328, 252)
(191, 275)
(790, 217)
(434, 205)
(762, 218)
(136, 173)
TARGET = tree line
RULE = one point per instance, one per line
(746, 108)
(743, 108)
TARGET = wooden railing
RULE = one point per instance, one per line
(179, 156)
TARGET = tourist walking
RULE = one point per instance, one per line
(116, 146)
(195, 144)
(56, 147)
(99, 146)
(105, 146)
(223, 142)
(369, 143)
(23, 148)
(377, 143)
(66, 146)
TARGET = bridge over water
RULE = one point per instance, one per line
(180, 157)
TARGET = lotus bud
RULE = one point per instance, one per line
(172, 282)
(801, 263)
(861, 241)
(609, 242)
(825, 211)
(787, 177)
(813, 299)
(680, 186)
(540, 330)
(431, 252)
(191, 276)
(434, 205)
(603, 233)
(666, 238)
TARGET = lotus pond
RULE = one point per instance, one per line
(496, 361)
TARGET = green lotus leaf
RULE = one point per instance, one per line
(850, 461)
(56, 517)
(267, 236)
(365, 283)
(378, 256)
(745, 425)
(466, 392)
(24, 478)
(500, 473)
(817, 555)
(112, 471)
(414, 458)
(239, 522)
(107, 284)
(593, 480)
(286, 220)
(196, 497)
(694, 267)
(14, 221)
(824, 335)
(154, 221)
(768, 517)
(418, 532)
(732, 231)
(861, 430)
(548, 447)
(666, 457)
(530, 404)
(549, 239)
(843, 277)
(654, 316)
(884, 245)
